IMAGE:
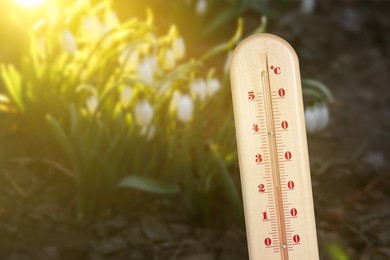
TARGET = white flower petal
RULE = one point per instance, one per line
(143, 113)
(179, 48)
(92, 104)
(323, 117)
(311, 119)
(185, 108)
(126, 96)
(146, 71)
(213, 85)
(199, 89)
(91, 28)
(201, 7)
(68, 42)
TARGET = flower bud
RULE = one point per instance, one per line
(316, 118)
(169, 61)
(201, 7)
(126, 96)
(68, 42)
(143, 113)
(323, 117)
(146, 71)
(179, 48)
(213, 85)
(185, 108)
(92, 104)
(199, 89)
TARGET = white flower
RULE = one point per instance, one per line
(199, 89)
(179, 48)
(185, 108)
(92, 104)
(91, 28)
(213, 85)
(307, 6)
(227, 62)
(201, 7)
(174, 100)
(129, 59)
(146, 70)
(317, 118)
(143, 113)
(68, 42)
(126, 96)
(169, 61)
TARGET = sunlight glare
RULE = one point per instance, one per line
(30, 3)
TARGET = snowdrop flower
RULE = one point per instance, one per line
(146, 70)
(129, 59)
(92, 104)
(317, 118)
(68, 42)
(307, 6)
(126, 96)
(201, 7)
(169, 61)
(179, 48)
(199, 89)
(91, 28)
(143, 113)
(185, 108)
(213, 85)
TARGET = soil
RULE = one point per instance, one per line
(346, 45)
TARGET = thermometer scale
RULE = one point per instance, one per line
(272, 149)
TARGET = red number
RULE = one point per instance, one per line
(288, 155)
(259, 158)
(256, 128)
(284, 125)
(296, 239)
(267, 241)
(265, 215)
(251, 95)
(293, 212)
(281, 92)
(261, 187)
(291, 185)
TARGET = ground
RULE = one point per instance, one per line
(346, 46)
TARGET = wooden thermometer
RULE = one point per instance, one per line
(272, 149)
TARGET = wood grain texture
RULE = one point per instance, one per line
(255, 106)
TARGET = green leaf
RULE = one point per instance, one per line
(320, 87)
(228, 182)
(148, 185)
(13, 80)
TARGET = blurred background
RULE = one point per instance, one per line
(117, 136)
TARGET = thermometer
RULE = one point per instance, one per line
(272, 149)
